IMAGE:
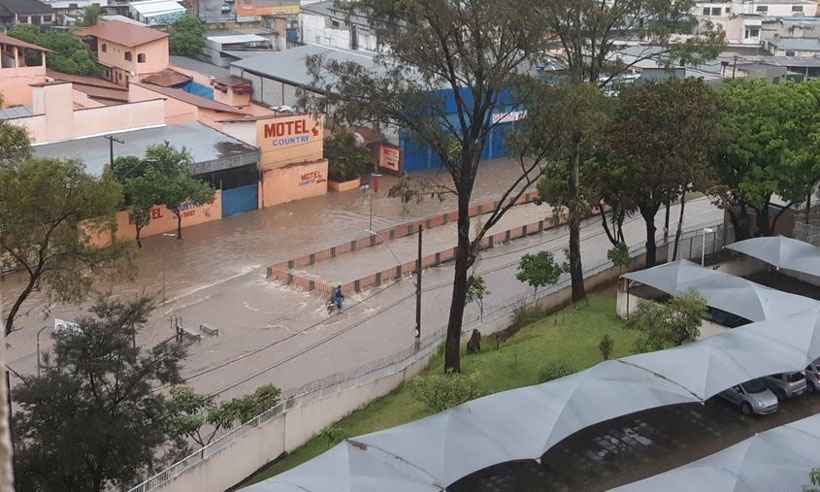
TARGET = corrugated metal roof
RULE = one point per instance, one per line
(15, 112)
(237, 38)
(200, 66)
(212, 150)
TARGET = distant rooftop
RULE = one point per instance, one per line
(123, 33)
(15, 112)
(211, 150)
(150, 8)
(202, 67)
(328, 8)
(25, 7)
(193, 99)
(796, 44)
(121, 18)
(6, 39)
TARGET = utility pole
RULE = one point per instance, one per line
(418, 293)
(111, 139)
(734, 67)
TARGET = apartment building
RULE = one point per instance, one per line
(742, 20)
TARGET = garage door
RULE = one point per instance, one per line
(238, 200)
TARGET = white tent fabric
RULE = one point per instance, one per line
(713, 364)
(782, 252)
(524, 423)
(778, 459)
(350, 467)
(732, 294)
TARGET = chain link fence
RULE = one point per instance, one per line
(706, 238)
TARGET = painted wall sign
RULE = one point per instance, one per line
(508, 116)
(277, 134)
(390, 158)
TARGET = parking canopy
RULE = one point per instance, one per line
(524, 423)
(715, 363)
(723, 291)
(782, 252)
(778, 459)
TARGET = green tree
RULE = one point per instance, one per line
(474, 51)
(670, 324)
(346, 159)
(91, 421)
(476, 292)
(587, 34)
(769, 135)
(188, 36)
(68, 53)
(619, 256)
(605, 346)
(814, 481)
(49, 210)
(659, 145)
(439, 392)
(538, 270)
(141, 184)
(200, 418)
(15, 145)
(169, 171)
(90, 15)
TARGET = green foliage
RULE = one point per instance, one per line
(814, 481)
(770, 135)
(49, 209)
(619, 255)
(91, 14)
(68, 53)
(476, 291)
(91, 421)
(15, 145)
(668, 324)
(346, 159)
(200, 418)
(333, 435)
(188, 36)
(554, 370)
(605, 346)
(442, 391)
(538, 270)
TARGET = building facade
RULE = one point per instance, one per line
(322, 23)
(741, 20)
(14, 12)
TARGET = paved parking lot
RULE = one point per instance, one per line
(632, 448)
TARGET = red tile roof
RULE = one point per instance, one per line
(102, 93)
(122, 33)
(187, 97)
(82, 79)
(167, 78)
(6, 39)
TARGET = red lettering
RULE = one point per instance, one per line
(156, 213)
(300, 126)
(269, 131)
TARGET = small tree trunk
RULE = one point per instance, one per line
(808, 206)
(452, 352)
(576, 270)
(666, 223)
(139, 237)
(762, 220)
(604, 222)
(680, 226)
(651, 248)
(179, 224)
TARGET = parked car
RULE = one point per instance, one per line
(786, 385)
(752, 397)
(813, 376)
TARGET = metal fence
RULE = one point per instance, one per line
(708, 237)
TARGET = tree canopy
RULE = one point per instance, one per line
(91, 421)
(346, 159)
(669, 324)
(68, 53)
(49, 211)
(538, 270)
(769, 138)
(188, 36)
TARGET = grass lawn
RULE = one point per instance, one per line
(570, 336)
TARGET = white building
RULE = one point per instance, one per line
(742, 20)
(322, 24)
(156, 12)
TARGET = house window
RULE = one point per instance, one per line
(728, 10)
(797, 9)
(46, 18)
(334, 23)
(716, 11)
(762, 9)
(127, 56)
(22, 19)
(141, 58)
(706, 11)
(789, 53)
(104, 48)
(752, 32)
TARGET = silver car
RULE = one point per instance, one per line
(751, 397)
(813, 376)
(786, 385)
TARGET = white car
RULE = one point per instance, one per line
(752, 397)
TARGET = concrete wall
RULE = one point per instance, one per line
(15, 84)
(176, 111)
(294, 182)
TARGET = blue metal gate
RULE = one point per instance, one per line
(238, 200)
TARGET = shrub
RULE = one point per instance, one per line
(605, 346)
(333, 434)
(346, 159)
(554, 370)
(442, 391)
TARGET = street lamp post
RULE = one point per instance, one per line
(170, 236)
(706, 230)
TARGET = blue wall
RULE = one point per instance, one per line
(199, 89)
(420, 157)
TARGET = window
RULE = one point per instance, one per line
(46, 18)
(127, 56)
(22, 19)
(762, 9)
(706, 11)
(141, 58)
(789, 53)
(104, 48)
(752, 32)
(334, 23)
(728, 10)
(797, 9)
(716, 11)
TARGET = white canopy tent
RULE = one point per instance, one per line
(713, 364)
(782, 253)
(778, 459)
(729, 293)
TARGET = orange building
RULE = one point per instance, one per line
(16, 75)
(128, 51)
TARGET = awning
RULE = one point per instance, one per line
(713, 364)
(729, 293)
(778, 459)
(782, 253)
